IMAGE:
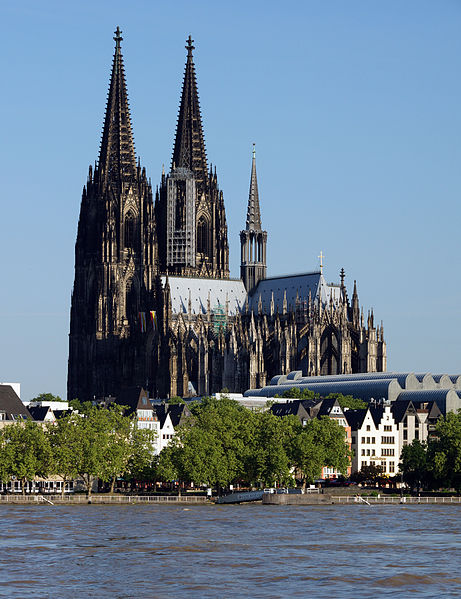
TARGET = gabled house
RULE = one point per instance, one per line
(409, 422)
(375, 438)
(294, 407)
(429, 413)
(170, 416)
(136, 400)
(11, 407)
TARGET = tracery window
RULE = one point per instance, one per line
(129, 230)
(202, 235)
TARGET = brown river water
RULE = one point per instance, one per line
(230, 551)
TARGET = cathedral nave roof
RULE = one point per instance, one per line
(296, 286)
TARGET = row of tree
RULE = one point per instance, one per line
(225, 443)
(88, 444)
(437, 463)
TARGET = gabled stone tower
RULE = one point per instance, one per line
(189, 207)
(114, 259)
(253, 239)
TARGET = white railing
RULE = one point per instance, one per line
(114, 499)
(400, 500)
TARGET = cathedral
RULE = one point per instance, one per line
(153, 303)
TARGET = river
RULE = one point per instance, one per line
(230, 551)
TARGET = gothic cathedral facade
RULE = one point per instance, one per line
(153, 303)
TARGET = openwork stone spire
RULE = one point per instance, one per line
(253, 213)
(253, 239)
(117, 159)
(189, 147)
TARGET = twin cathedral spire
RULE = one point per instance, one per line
(127, 238)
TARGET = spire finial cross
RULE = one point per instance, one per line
(190, 46)
(254, 151)
(321, 256)
(118, 37)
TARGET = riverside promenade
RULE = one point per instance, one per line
(267, 499)
(327, 499)
(103, 499)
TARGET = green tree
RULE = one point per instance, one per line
(213, 447)
(444, 453)
(25, 452)
(414, 464)
(100, 444)
(142, 463)
(175, 400)
(297, 393)
(371, 474)
(47, 397)
(321, 442)
(348, 401)
(65, 443)
(269, 460)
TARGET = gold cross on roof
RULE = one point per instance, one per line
(321, 256)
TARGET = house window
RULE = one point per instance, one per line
(368, 427)
(387, 440)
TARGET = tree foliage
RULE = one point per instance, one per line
(368, 474)
(176, 400)
(25, 452)
(348, 401)
(321, 442)
(226, 443)
(414, 464)
(444, 451)
(297, 393)
(213, 447)
(437, 463)
(47, 397)
(93, 443)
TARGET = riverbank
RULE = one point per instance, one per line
(312, 499)
(103, 499)
(327, 499)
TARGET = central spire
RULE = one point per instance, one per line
(189, 147)
(253, 213)
(117, 155)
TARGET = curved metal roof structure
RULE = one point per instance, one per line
(407, 380)
(366, 390)
(447, 400)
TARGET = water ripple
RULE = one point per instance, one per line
(233, 551)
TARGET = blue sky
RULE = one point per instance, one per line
(355, 111)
